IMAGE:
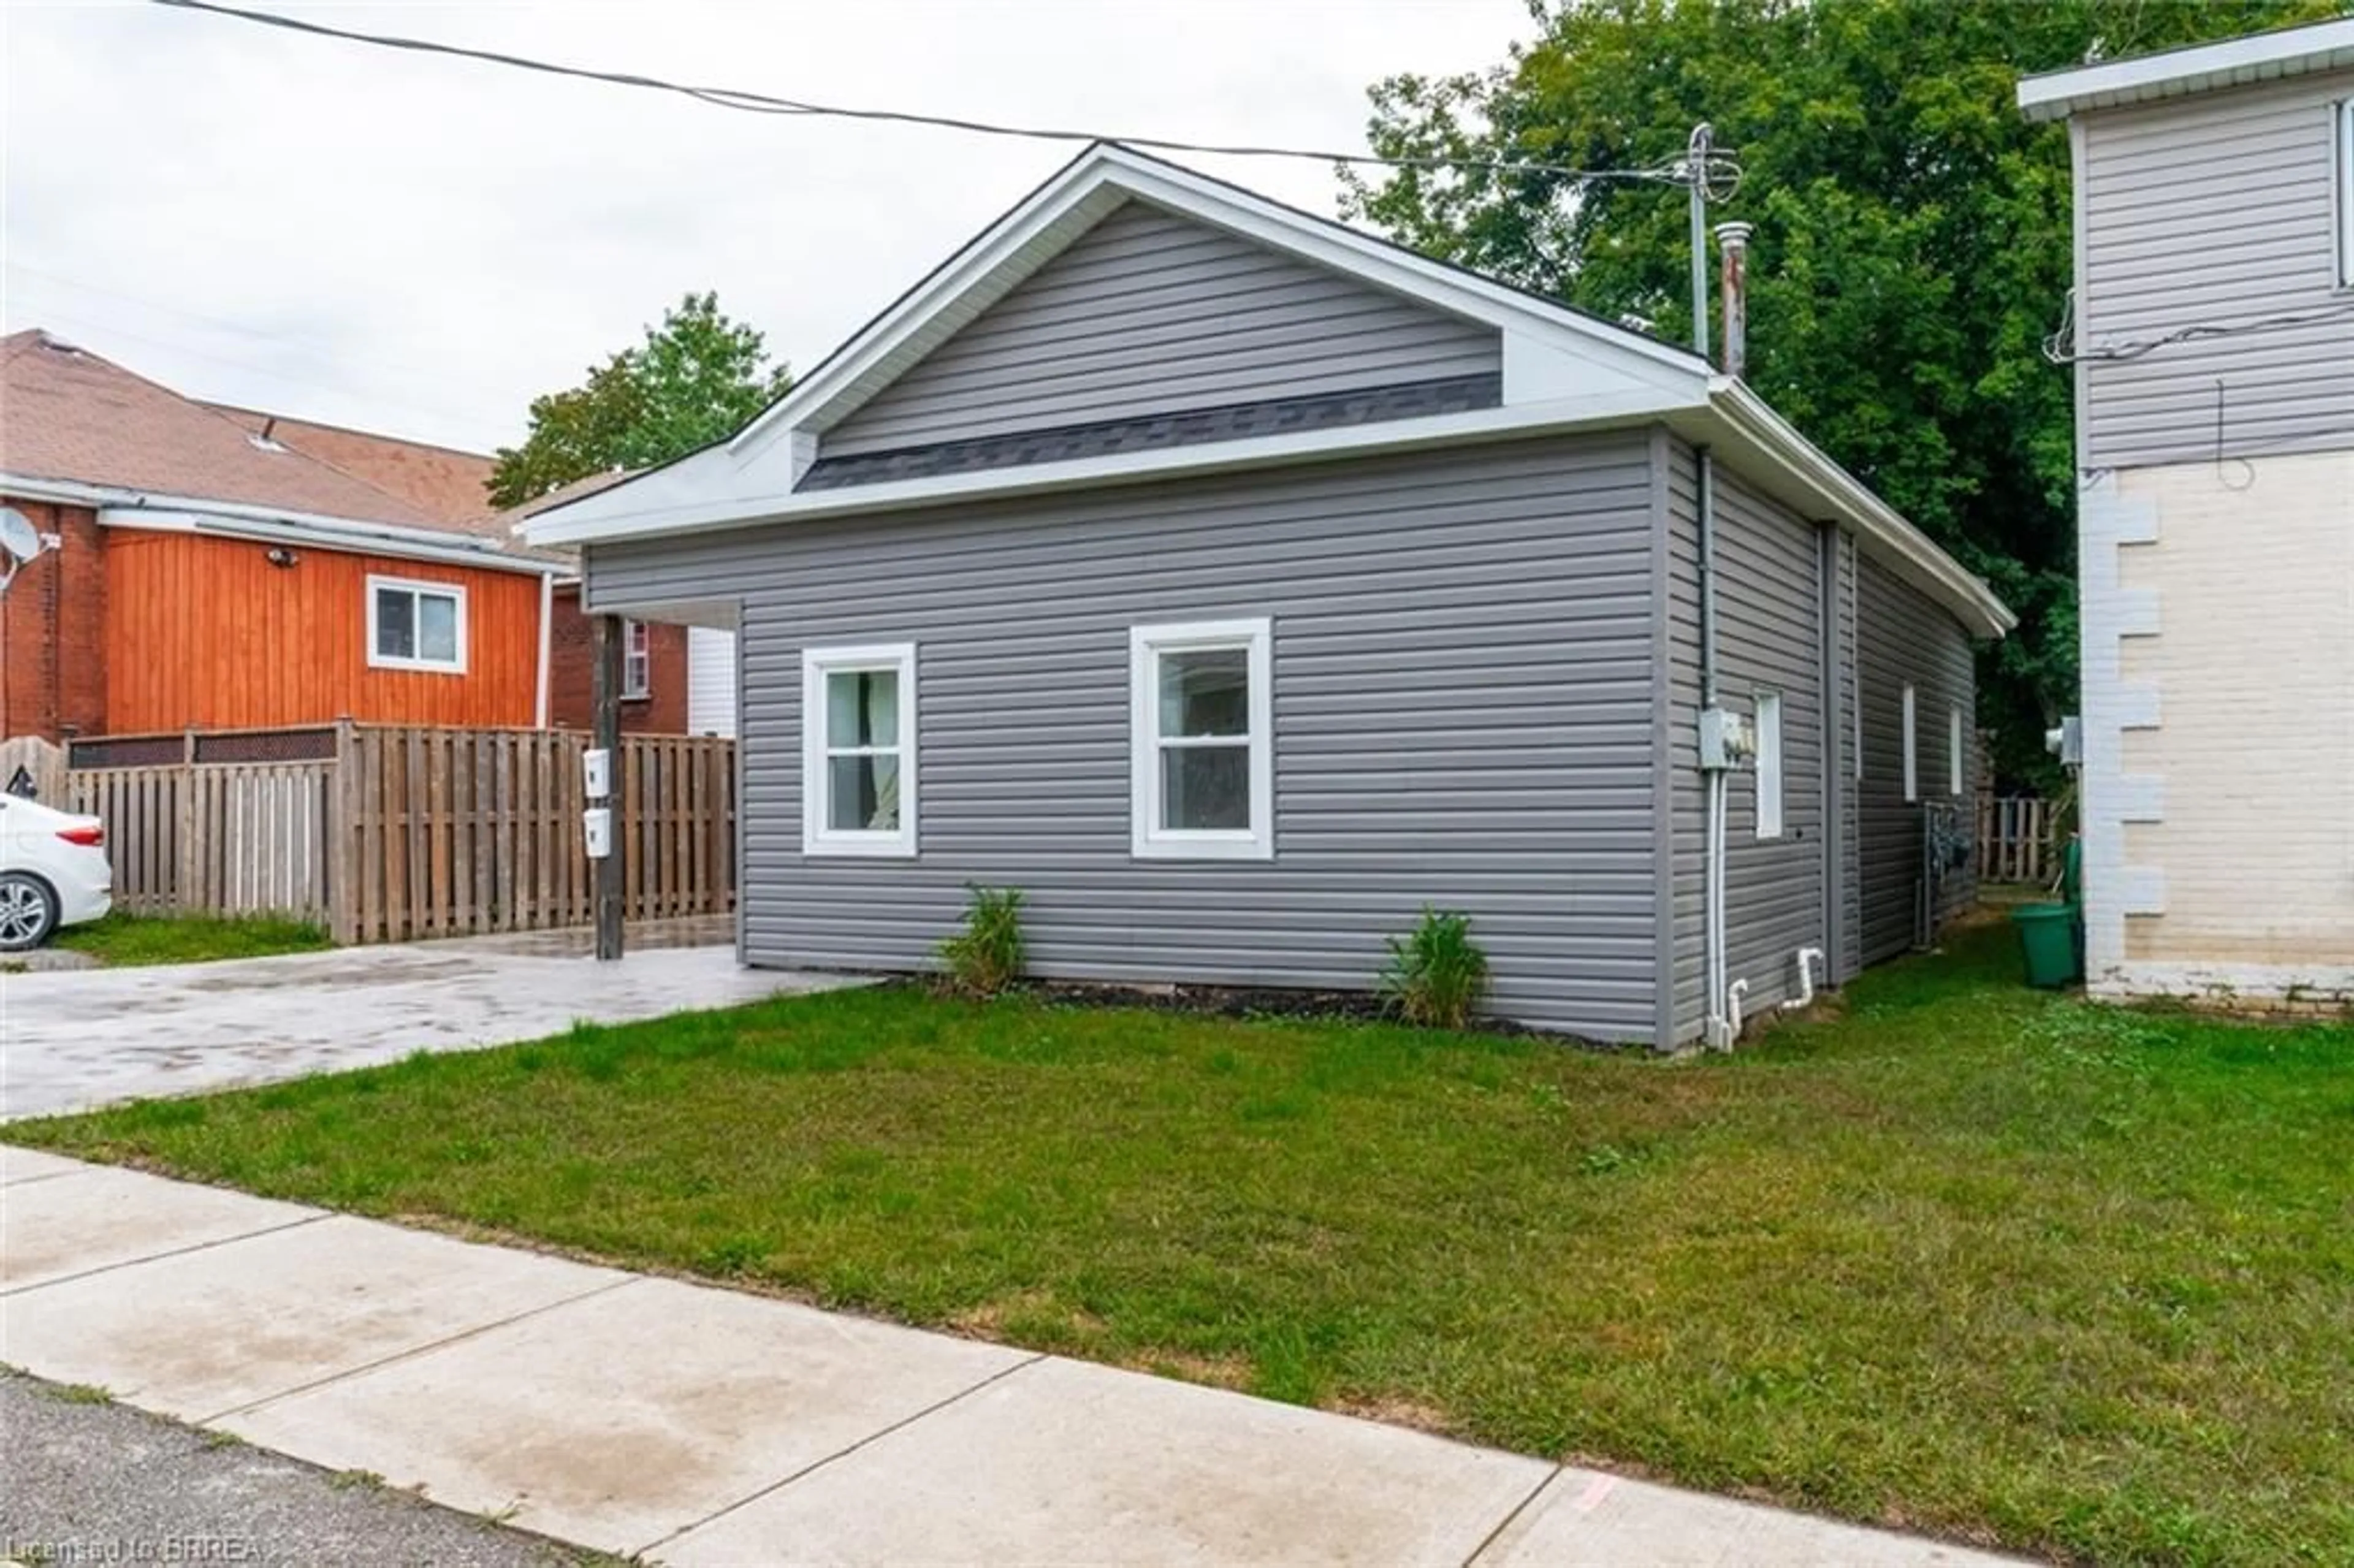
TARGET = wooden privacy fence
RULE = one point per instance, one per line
(385, 833)
(2015, 838)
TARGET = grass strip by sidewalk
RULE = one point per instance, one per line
(120, 941)
(2007, 1267)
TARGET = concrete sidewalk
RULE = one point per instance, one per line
(635, 1414)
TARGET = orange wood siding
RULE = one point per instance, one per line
(205, 632)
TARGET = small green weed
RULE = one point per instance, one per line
(987, 955)
(1436, 973)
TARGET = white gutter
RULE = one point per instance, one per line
(1766, 435)
(2199, 67)
(121, 508)
(547, 611)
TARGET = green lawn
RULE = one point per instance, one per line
(121, 939)
(1969, 1259)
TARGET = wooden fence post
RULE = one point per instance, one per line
(342, 808)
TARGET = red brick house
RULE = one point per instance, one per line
(217, 568)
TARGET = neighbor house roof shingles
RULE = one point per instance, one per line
(68, 415)
(450, 484)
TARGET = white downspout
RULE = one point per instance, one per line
(547, 611)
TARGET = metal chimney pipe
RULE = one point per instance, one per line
(1733, 249)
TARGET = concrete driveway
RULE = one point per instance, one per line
(72, 1039)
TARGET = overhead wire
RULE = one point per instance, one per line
(1722, 172)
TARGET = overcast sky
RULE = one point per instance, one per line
(420, 245)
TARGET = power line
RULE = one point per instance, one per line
(307, 345)
(1721, 171)
(2060, 346)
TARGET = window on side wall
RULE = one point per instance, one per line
(2345, 157)
(1954, 735)
(1201, 708)
(1911, 750)
(858, 750)
(417, 625)
(637, 661)
(1769, 765)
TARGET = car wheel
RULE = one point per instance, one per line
(28, 912)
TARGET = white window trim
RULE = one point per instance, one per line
(1147, 839)
(1956, 737)
(643, 686)
(2341, 188)
(1765, 705)
(380, 661)
(1912, 749)
(817, 838)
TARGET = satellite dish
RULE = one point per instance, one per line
(19, 543)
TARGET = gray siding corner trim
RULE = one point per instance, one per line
(2217, 209)
(1663, 730)
(1152, 313)
(1274, 417)
(1464, 708)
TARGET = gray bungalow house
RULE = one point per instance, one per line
(1237, 583)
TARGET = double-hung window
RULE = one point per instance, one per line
(858, 750)
(1201, 722)
(1769, 765)
(637, 661)
(417, 625)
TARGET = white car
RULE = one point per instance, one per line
(53, 872)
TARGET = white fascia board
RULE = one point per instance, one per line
(356, 539)
(693, 513)
(2171, 73)
(1774, 453)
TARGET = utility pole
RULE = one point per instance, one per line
(605, 735)
(1696, 156)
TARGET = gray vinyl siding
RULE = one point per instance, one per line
(1768, 638)
(1904, 638)
(2214, 210)
(1148, 313)
(1464, 716)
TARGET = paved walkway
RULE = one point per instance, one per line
(71, 1041)
(637, 1415)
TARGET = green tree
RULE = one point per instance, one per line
(696, 378)
(1912, 248)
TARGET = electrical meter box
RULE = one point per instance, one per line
(596, 826)
(1726, 739)
(597, 772)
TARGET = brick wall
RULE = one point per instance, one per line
(53, 630)
(661, 712)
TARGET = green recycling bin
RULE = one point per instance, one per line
(2047, 936)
